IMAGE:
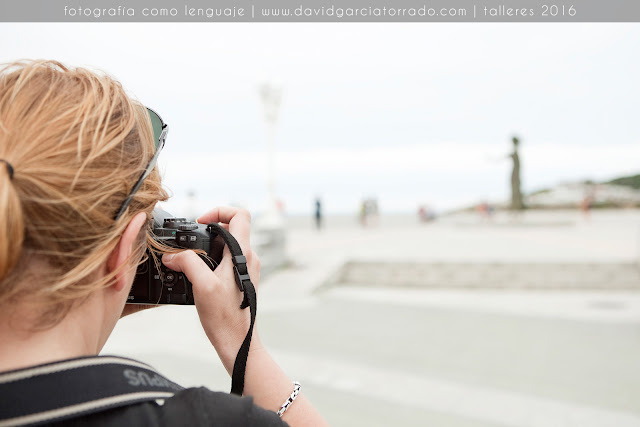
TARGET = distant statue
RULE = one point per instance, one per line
(516, 193)
(318, 213)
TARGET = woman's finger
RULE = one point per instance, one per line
(239, 221)
(223, 214)
(190, 264)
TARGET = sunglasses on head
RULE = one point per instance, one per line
(160, 130)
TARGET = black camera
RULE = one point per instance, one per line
(154, 285)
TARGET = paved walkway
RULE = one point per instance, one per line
(387, 355)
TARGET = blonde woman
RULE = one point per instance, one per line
(75, 153)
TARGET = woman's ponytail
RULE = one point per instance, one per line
(11, 223)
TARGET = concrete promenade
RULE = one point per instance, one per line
(532, 321)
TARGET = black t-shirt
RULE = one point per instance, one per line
(189, 407)
(96, 391)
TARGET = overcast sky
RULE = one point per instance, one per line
(410, 113)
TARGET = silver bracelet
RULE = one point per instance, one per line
(289, 401)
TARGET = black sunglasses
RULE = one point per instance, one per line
(160, 130)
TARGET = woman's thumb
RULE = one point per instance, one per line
(190, 264)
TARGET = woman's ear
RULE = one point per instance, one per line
(120, 254)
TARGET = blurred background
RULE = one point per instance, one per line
(447, 214)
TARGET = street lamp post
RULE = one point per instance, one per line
(270, 241)
(271, 97)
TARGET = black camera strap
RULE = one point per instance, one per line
(246, 287)
(75, 387)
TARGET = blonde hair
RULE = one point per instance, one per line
(77, 144)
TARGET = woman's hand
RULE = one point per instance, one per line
(215, 292)
(218, 302)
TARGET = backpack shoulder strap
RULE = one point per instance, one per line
(77, 387)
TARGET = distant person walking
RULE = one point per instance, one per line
(516, 193)
(369, 212)
(587, 203)
(425, 214)
(585, 207)
(362, 214)
(318, 213)
(484, 210)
